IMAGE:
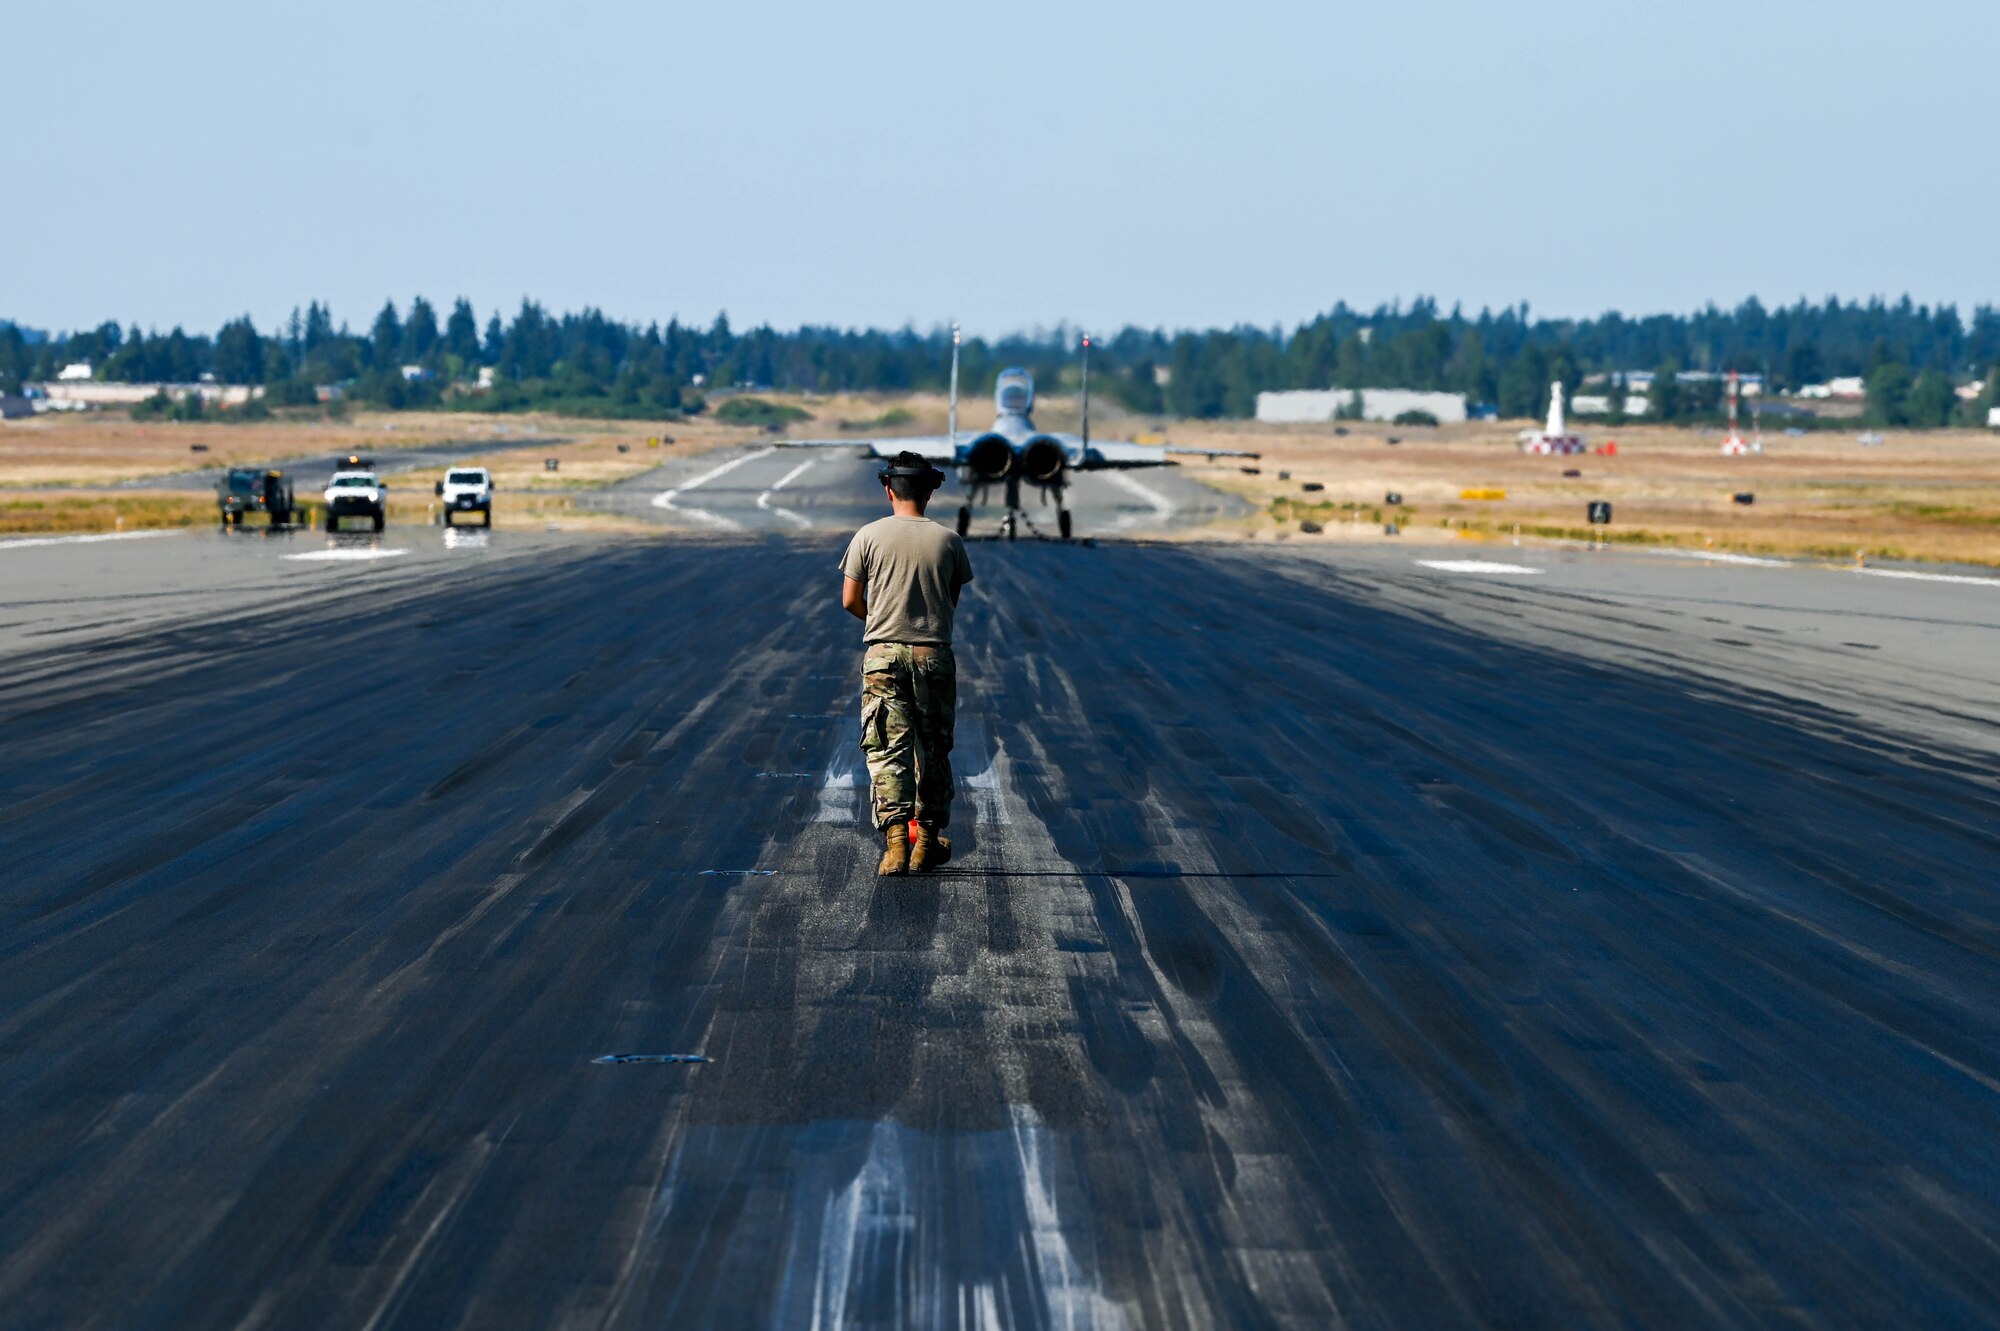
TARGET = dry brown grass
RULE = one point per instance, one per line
(1931, 495)
(101, 448)
(74, 513)
(53, 468)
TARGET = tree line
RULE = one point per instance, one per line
(1912, 357)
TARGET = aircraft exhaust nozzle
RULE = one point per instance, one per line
(990, 458)
(1043, 460)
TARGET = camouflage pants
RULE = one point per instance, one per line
(909, 702)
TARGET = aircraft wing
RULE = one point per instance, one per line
(1104, 454)
(935, 447)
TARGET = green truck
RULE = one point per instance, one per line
(243, 490)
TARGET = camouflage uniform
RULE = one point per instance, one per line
(909, 701)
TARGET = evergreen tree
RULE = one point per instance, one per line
(1888, 388)
(461, 333)
(386, 339)
(239, 353)
(420, 334)
(1930, 402)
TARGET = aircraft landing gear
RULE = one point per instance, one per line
(1063, 523)
(1007, 526)
(964, 520)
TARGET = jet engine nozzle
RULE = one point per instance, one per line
(991, 457)
(1043, 460)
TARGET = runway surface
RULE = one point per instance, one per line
(1334, 940)
(772, 489)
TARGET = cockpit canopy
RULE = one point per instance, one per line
(1014, 394)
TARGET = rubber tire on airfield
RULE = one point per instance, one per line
(1063, 523)
(964, 520)
(332, 522)
(378, 519)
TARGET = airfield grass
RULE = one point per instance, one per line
(102, 448)
(55, 471)
(81, 514)
(1919, 495)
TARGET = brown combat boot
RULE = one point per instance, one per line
(895, 859)
(929, 850)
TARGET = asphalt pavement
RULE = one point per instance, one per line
(1335, 939)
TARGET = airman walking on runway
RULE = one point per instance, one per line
(902, 577)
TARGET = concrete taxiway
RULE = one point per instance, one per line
(1335, 939)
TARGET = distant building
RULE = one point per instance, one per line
(415, 374)
(1747, 385)
(74, 371)
(1970, 392)
(1993, 418)
(1594, 404)
(1636, 381)
(1851, 387)
(1377, 404)
(13, 408)
(77, 396)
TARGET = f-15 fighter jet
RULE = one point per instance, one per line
(1013, 452)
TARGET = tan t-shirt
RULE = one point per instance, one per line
(908, 568)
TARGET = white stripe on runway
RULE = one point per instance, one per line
(1928, 577)
(1723, 557)
(1476, 566)
(347, 552)
(1163, 507)
(665, 499)
(982, 781)
(22, 543)
(764, 499)
(836, 796)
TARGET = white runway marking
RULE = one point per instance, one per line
(1928, 577)
(25, 541)
(1724, 557)
(764, 499)
(836, 795)
(665, 499)
(348, 553)
(1163, 507)
(981, 781)
(1476, 566)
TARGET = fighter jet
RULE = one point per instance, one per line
(1014, 451)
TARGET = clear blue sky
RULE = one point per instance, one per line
(1013, 165)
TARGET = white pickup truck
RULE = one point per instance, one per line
(356, 494)
(466, 490)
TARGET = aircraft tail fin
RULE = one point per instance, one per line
(1086, 391)
(953, 428)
